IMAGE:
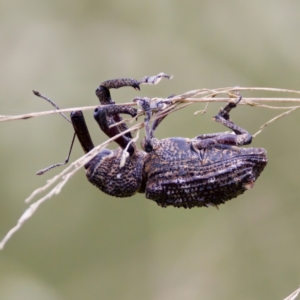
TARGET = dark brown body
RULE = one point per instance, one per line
(178, 176)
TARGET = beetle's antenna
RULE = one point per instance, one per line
(38, 94)
(41, 172)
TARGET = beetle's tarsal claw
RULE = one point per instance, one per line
(136, 87)
(224, 112)
(155, 79)
(239, 99)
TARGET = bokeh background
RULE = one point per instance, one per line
(83, 244)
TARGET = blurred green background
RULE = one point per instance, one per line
(83, 244)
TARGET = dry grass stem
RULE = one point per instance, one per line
(61, 179)
(202, 111)
(208, 95)
(274, 119)
(293, 295)
(55, 184)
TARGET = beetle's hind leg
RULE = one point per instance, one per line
(224, 112)
(241, 136)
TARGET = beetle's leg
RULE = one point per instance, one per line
(223, 118)
(209, 135)
(241, 136)
(103, 93)
(81, 130)
(104, 97)
(148, 107)
(103, 116)
(144, 103)
(159, 118)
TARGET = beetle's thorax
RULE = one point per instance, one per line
(105, 173)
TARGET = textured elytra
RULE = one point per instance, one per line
(178, 176)
(207, 170)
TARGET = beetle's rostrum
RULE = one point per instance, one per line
(207, 170)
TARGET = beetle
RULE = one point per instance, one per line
(207, 170)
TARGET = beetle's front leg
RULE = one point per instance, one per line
(103, 92)
(103, 116)
(104, 96)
